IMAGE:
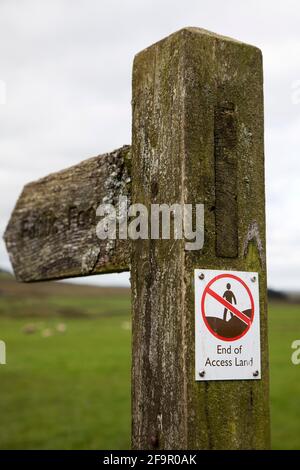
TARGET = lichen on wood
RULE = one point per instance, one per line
(178, 84)
(52, 230)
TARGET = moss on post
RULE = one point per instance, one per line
(197, 138)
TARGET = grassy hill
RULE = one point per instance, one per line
(60, 299)
(66, 384)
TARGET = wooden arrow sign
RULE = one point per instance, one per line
(52, 230)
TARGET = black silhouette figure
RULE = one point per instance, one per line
(230, 297)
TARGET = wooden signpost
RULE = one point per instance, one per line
(197, 137)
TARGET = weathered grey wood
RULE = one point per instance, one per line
(52, 231)
(180, 86)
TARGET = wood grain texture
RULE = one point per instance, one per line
(226, 168)
(177, 85)
(52, 230)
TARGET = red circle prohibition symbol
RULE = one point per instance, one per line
(208, 291)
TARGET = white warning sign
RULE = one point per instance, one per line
(227, 336)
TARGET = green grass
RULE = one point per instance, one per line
(69, 390)
(72, 390)
(284, 327)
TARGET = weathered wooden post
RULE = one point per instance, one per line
(197, 138)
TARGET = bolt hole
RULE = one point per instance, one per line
(154, 442)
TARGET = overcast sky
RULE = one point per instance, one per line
(66, 66)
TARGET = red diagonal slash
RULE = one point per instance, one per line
(230, 307)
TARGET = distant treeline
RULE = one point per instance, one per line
(292, 297)
(277, 295)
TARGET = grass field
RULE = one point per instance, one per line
(71, 390)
